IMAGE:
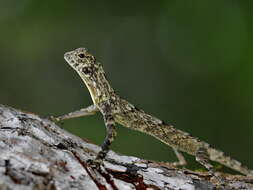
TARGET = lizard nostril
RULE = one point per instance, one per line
(66, 54)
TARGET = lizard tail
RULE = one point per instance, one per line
(220, 157)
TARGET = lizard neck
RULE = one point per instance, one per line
(97, 84)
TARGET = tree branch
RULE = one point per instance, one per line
(37, 154)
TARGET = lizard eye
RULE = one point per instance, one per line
(81, 55)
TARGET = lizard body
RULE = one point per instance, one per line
(117, 110)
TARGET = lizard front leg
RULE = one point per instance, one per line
(90, 110)
(110, 135)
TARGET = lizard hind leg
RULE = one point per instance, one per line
(181, 160)
(202, 157)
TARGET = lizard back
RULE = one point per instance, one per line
(136, 119)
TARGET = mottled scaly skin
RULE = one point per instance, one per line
(117, 110)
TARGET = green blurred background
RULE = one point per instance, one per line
(187, 62)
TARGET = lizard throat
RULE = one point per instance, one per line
(98, 87)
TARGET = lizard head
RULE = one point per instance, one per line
(81, 60)
(91, 73)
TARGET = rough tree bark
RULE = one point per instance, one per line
(37, 154)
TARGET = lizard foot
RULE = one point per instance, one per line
(95, 164)
(53, 118)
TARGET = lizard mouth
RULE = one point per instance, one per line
(67, 56)
(70, 60)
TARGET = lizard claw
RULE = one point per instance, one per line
(52, 118)
(95, 164)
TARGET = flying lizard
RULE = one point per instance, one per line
(117, 110)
